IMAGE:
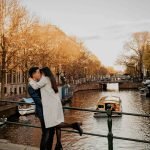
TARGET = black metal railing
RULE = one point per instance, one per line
(109, 113)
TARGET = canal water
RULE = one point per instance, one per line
(125, 126)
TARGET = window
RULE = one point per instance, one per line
(100, 106)
(15, 90)
(19, 90)
(5, 90)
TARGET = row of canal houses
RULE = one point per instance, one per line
(15, 84)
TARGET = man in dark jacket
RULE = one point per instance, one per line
(47, 133)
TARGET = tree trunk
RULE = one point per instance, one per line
(141, 66)
(26, 82)
(3, 68)
(2, 84)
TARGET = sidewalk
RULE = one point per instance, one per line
(7, 145)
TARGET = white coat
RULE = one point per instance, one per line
(51, 102)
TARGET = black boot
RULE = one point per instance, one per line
(58, 146)
(77, 127)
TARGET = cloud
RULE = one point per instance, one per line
(93, 37)
(103, 25)
(124, 29)
(109, 41)
(119, 31)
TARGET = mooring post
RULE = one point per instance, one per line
(109, 122)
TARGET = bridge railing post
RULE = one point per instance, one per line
(110, 134)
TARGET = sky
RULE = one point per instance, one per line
(102, 25)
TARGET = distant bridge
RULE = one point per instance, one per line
(112, 81)
(102, 85)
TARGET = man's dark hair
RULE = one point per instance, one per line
(32, 70)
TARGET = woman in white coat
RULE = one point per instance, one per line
(51, 102)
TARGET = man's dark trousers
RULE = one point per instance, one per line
(47, 133)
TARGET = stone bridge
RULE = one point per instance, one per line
(98, 85)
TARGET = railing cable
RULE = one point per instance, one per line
(85, 133)
(109, 113)
(85, 109)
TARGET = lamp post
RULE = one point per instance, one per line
(58, 74)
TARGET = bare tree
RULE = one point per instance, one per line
(132, 56)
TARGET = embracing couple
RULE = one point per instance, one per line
(44, 91)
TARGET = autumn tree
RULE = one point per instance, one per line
(146, 58)
(10, 16)
(103, 71)
(15, 23)
(25, 42)
(133, 53)
(111, 70)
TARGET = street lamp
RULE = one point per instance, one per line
(58, 74)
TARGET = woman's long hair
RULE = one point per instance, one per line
(48, 73)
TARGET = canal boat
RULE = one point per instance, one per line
(146, 82)
(3, 121)
(25, 109)
(103, 104)
(144, 91)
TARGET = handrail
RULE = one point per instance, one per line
(92, 110)
(109, 122)
(85, 133)
(85, 109)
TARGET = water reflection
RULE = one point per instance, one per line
(126, 126)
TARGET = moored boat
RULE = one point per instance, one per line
(144, 91)
(25, 109)
(2, 121)
(106, 101)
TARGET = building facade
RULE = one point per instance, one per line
(14, 84)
